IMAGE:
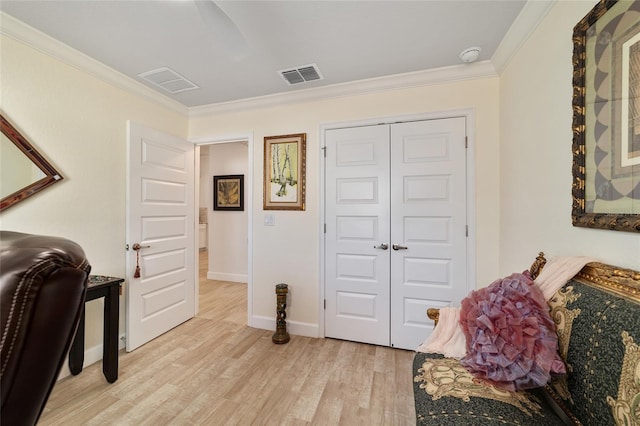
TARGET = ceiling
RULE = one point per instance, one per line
(347, 40)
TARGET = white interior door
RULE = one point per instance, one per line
(357, 211)
(402, 186)
(428, 225)
(160, 218)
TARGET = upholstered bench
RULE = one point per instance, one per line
(597, 316)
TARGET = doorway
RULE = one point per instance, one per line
(225, 245)
(396, 240)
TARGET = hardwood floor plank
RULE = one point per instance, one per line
(223, 411)
(214, 370)
(202, 406)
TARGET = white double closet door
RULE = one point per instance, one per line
(396, 229)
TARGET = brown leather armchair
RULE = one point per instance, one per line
(43, 282)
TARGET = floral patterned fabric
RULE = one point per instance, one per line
(511, 338)
(601, 344)
(447, 394)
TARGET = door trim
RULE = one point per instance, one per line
(240, 137)
(469, 115)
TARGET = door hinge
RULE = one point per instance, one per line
(324, 149)
(325, 228)
(325, 303)
(466, 231)
(466, 142)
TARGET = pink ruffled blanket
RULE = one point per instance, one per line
(447, 338)
(510, 338)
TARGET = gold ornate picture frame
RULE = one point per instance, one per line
(606, 118)
(284, 172)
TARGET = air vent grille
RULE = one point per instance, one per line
(301, 74)
(169, 80)
(293, 77)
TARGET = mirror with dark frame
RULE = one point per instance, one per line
(23, 170)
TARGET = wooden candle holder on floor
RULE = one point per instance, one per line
(281, 335)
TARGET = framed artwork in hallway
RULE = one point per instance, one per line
(228, 192)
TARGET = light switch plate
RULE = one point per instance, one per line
(269, 220)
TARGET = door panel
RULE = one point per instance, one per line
(156, 228)
(357, 274)
(428, 163)
(404, 185)
(160, 217)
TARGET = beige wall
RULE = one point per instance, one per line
(228, 249)
(78, 123)
(289, 251)
(536, 158)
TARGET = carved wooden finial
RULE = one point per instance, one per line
(537, 265)
(433, 314)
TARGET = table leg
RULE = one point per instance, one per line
(110, 350)
(76, 353)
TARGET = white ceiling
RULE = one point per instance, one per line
(348, 40)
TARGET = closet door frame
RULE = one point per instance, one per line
(469, 115)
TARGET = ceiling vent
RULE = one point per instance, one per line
(169, 80)
(301, 74)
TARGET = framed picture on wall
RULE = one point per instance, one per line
(606, 118)
(228, 192)
(284, 172)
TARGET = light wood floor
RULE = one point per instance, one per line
(214, 370)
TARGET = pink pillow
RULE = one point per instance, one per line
(511, 338)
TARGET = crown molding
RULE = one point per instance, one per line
(23, 33)
(442, 75)
(533, 12)
(525, 23)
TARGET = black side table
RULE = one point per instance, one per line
(109, 288)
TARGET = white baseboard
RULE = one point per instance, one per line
(293, 327)
(223, 276)
(91, 356)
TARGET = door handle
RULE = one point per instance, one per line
(137, 246)
(383, 246)
(397, 247)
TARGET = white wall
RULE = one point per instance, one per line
(536, 158)
(227, 229)
(289, 251)
(78, 123)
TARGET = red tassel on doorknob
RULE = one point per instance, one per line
(137, 248)
(136, 274)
